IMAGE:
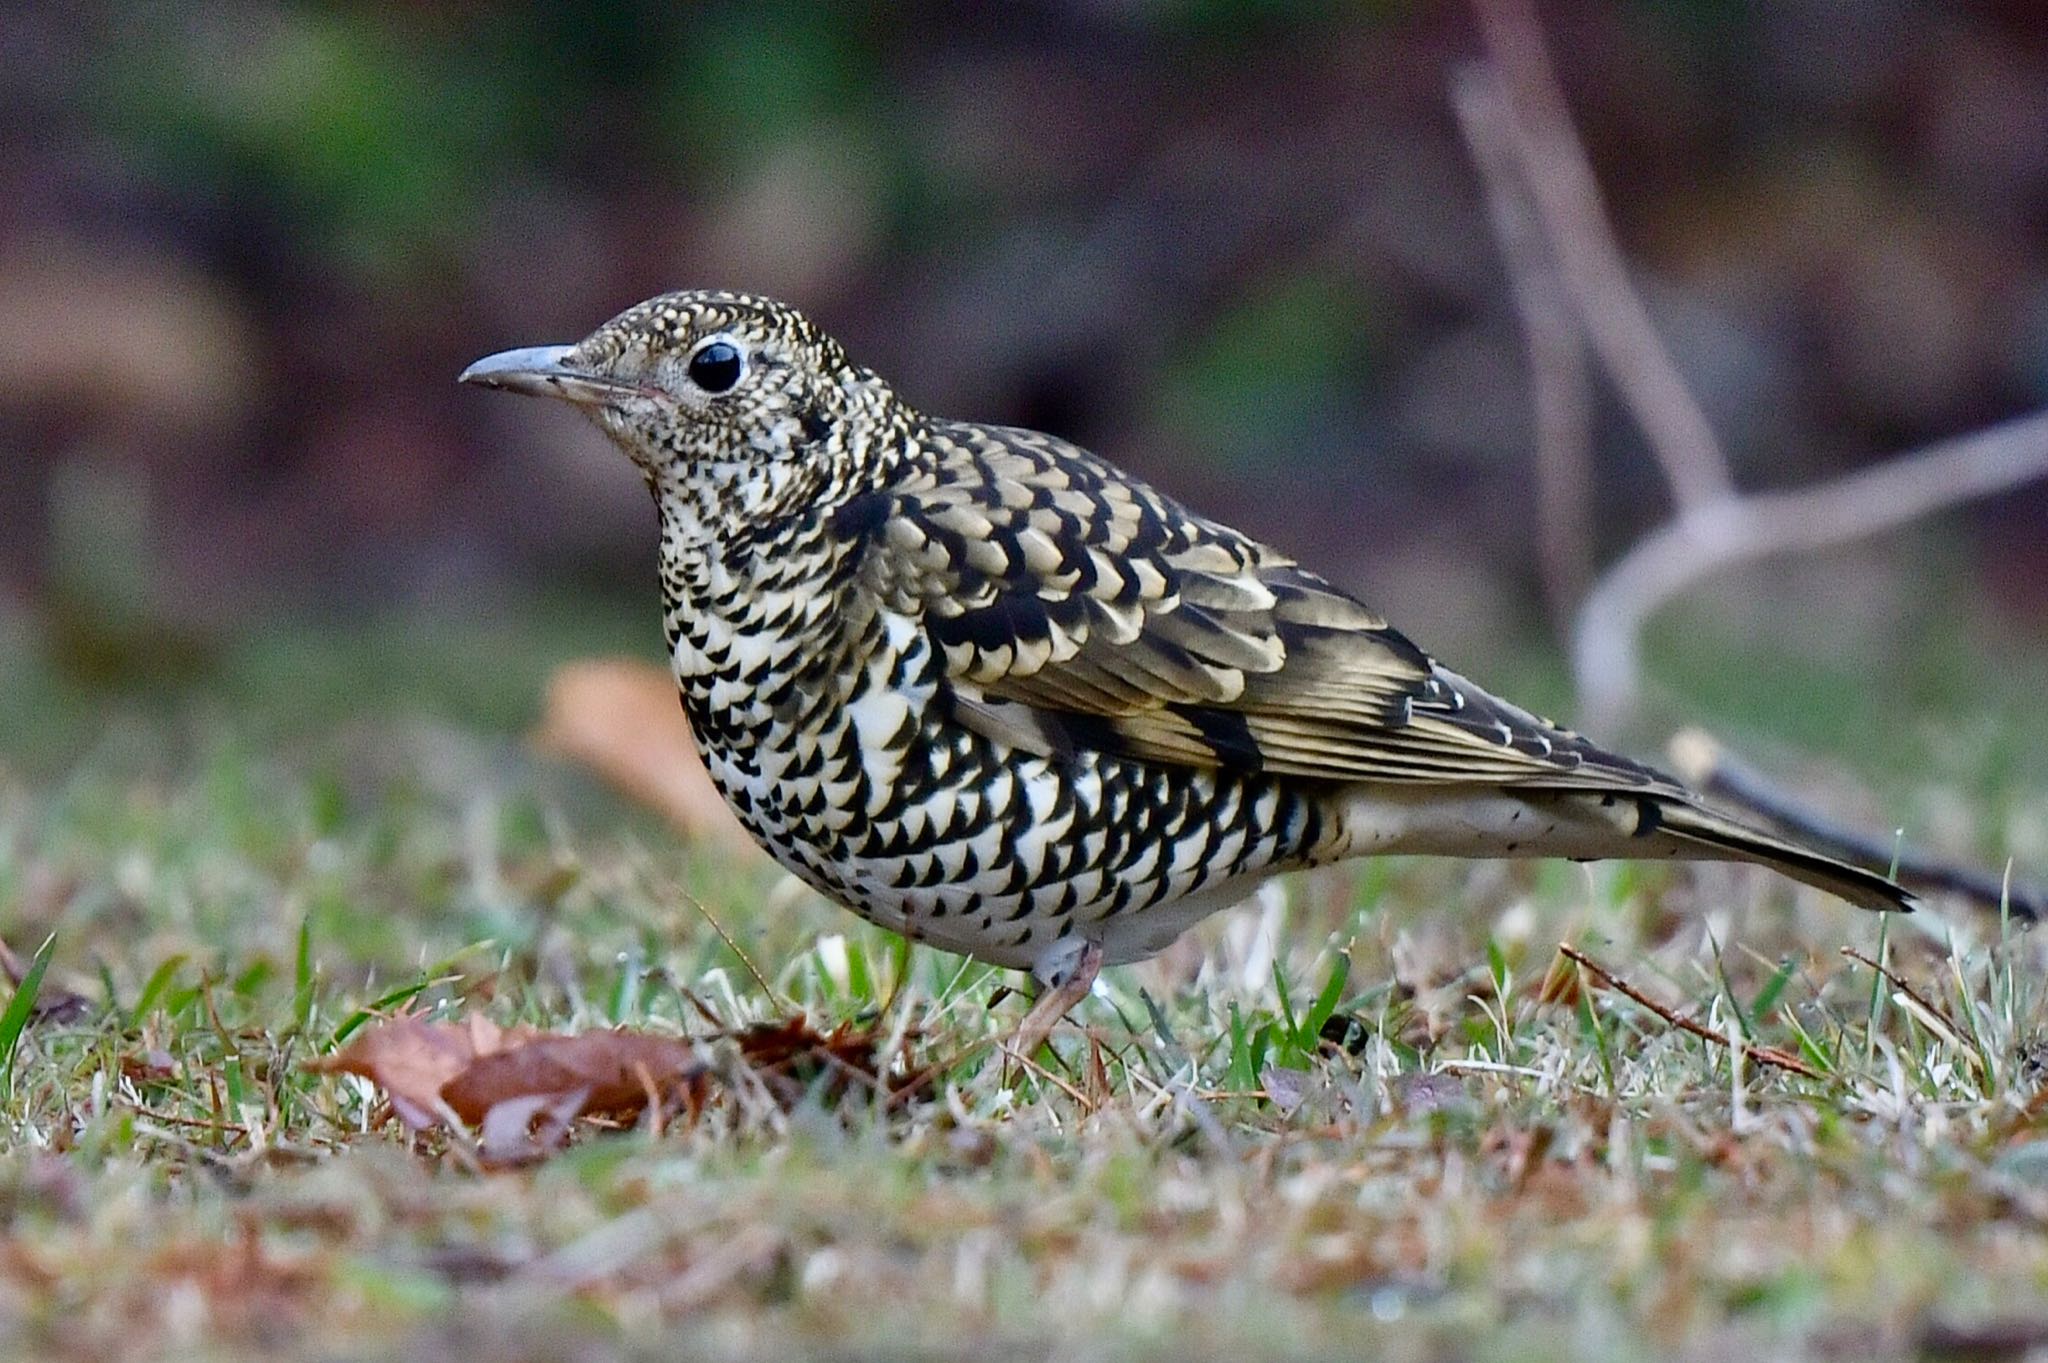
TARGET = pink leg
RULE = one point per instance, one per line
(1053, 1004)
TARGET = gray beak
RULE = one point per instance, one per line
(542, 371)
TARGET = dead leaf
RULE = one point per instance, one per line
(153, 1066)
(1285, 1088)
(617, 1073)
(523, 1091)
(620, 717)
(412, 1059)
(526, 1127)
(793, 1055)
(1419, 1094)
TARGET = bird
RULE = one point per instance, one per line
(993, 693)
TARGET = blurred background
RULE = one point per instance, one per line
(1238, 245)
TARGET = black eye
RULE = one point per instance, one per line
(717, 367)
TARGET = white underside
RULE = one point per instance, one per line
(1380, 821)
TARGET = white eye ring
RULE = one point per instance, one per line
(717, 365)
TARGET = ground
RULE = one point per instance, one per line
(1374, 1114)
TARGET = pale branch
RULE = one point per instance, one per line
(1606, 645)
(1560, 389)
(1567, 198)
(1529, 155)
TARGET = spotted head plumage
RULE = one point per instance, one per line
(709, 386)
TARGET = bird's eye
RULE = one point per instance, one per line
(717, 366)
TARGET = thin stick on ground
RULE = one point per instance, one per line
(745, 960)
(1936, 1017)
(1763, 1055)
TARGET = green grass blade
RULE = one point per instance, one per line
(1774, 988)
(383, 1004)
(15, 1019)
(302, 976)
(1241, 1073)
(1325, 1006)
(1286, 997)
(1160, 1026)
(1876, 1015)
(153, 988)
(1591, 1026)
(1728, 990)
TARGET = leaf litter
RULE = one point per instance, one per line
(524, 1092)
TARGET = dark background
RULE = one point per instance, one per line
(1240, 247)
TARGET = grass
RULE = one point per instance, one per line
(1373, 1114)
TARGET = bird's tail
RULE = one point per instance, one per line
(1628, 822)
(1723, 838)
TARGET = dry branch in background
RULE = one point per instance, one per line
(1560, 389)
(1606, 646)
(1567, 199)
(1511, 104)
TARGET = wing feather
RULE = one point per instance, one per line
(1077, 607)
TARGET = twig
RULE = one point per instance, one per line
(745, 960)
(1763, 1055)
(1606, 652)
(1567, 198)
(1513, 110)
(1047, 1076)
(1932, 1013)
(1709, 768)
(202, 1123)
(1489, 1067)
(1560, 390)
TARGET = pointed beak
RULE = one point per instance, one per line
(543, 371)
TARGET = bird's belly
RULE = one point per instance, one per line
(931, 829)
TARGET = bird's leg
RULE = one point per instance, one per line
(1052, 1005)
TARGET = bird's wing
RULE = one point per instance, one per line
(1078, 608)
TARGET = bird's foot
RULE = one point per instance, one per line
(1052, 1005)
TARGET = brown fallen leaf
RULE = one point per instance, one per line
(153, 1066)
(524, 1128)
(791, 1055)
(523, 1091)
(620, 718)
(617, 1073)
(412, 1059)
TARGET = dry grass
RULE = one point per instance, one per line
(1493, 1158)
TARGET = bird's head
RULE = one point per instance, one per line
(700, 384)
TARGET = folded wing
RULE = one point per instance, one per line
(1078, 608)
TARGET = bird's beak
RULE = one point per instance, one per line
(543, 371)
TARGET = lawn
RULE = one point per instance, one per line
(1375, 1114)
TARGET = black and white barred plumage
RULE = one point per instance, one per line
(989, 691)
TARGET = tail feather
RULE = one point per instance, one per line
(1734, 841)
(1588, 825)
